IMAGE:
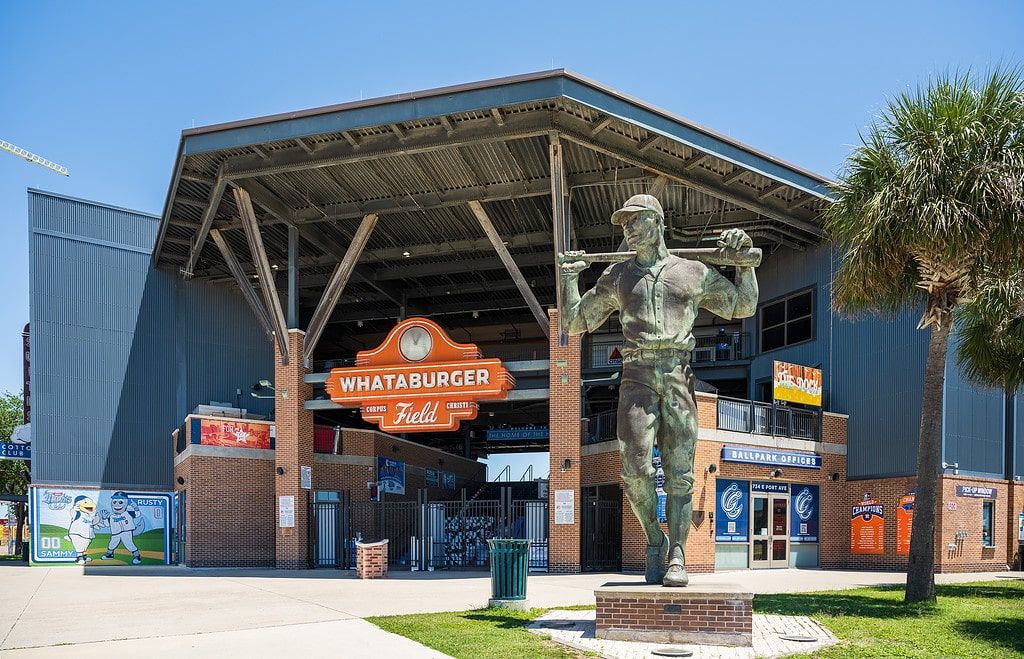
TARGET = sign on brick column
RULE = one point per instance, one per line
(564, 444)
(293, 444)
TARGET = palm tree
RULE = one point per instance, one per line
(929, 202)
(990, 331)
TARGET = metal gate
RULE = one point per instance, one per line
(602, 534)
(333, 540)
(428, 535)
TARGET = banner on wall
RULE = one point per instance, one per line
(803, 524)
(433, 477)
(391, 474)
(448, 480)
(659, 485)
(797, 384)
(904, 522)
(238, 434)
(867, 527)
(100, 527)
(732, 514)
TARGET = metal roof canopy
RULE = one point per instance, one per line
(446, 198)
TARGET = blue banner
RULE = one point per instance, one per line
(803, 522)
(518, 434)
(10, 451)
(433, 477)
(659, 485)
(767, 456)
(391, 474)
(732, 511)
(448, 479)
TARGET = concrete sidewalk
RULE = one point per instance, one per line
(174, 612)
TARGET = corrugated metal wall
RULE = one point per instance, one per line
(225, 349)
(108, 337)
(975, 423)
(1018, 425)
(860, 372)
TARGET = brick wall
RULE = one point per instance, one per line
(564, 444)
(293, 448)
(228, 519)
(970, 555)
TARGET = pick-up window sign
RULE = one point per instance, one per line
(976, 491)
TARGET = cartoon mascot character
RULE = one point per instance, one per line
(83, 525)
(125, 521)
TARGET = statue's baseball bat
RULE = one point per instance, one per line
(748, 258)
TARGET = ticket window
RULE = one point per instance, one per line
(769, 531)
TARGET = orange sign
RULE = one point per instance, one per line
(867, 527)
(234, 433)
(419, 380)
(797, 384)
(904, 523)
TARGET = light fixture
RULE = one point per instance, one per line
(566, 464)
(776, 473)
(476, 314)
(833, 476)
(280, 471)
(359, 323)
(181, 480)
(711, 468)
(955, 466)
(440, 461)
(395, 448)
(406, 254)
(265, 384)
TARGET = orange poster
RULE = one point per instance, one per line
(904, 523)
(867, 527)
(234, 433)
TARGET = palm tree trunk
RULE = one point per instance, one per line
(921, 563)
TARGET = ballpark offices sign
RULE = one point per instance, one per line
(419, 380)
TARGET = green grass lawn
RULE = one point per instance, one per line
(479, 634)
(977, 620)
(983, 620)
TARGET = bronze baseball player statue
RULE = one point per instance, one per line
(657, 295)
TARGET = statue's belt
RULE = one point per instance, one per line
(658, 356)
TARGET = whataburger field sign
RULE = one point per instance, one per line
(419, 380)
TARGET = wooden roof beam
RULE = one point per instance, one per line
(510, 265)
(263, 269)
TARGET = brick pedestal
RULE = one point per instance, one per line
(372, 560)
(675, 615)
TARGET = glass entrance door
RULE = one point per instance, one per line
(769, 531)
(780, 531)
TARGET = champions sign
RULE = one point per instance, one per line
(419, 380)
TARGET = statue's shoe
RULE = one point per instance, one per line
(676, 576)
(656, 556)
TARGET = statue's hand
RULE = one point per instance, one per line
(735, 238)
(571, 263)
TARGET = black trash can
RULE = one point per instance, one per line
(510, 562)
(25, 550)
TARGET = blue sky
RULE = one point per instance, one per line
(105, 88)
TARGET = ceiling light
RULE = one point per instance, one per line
(406, 254)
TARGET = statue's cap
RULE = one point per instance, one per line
(636, 204)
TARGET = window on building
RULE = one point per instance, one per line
(988, 515)
(787, 321)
